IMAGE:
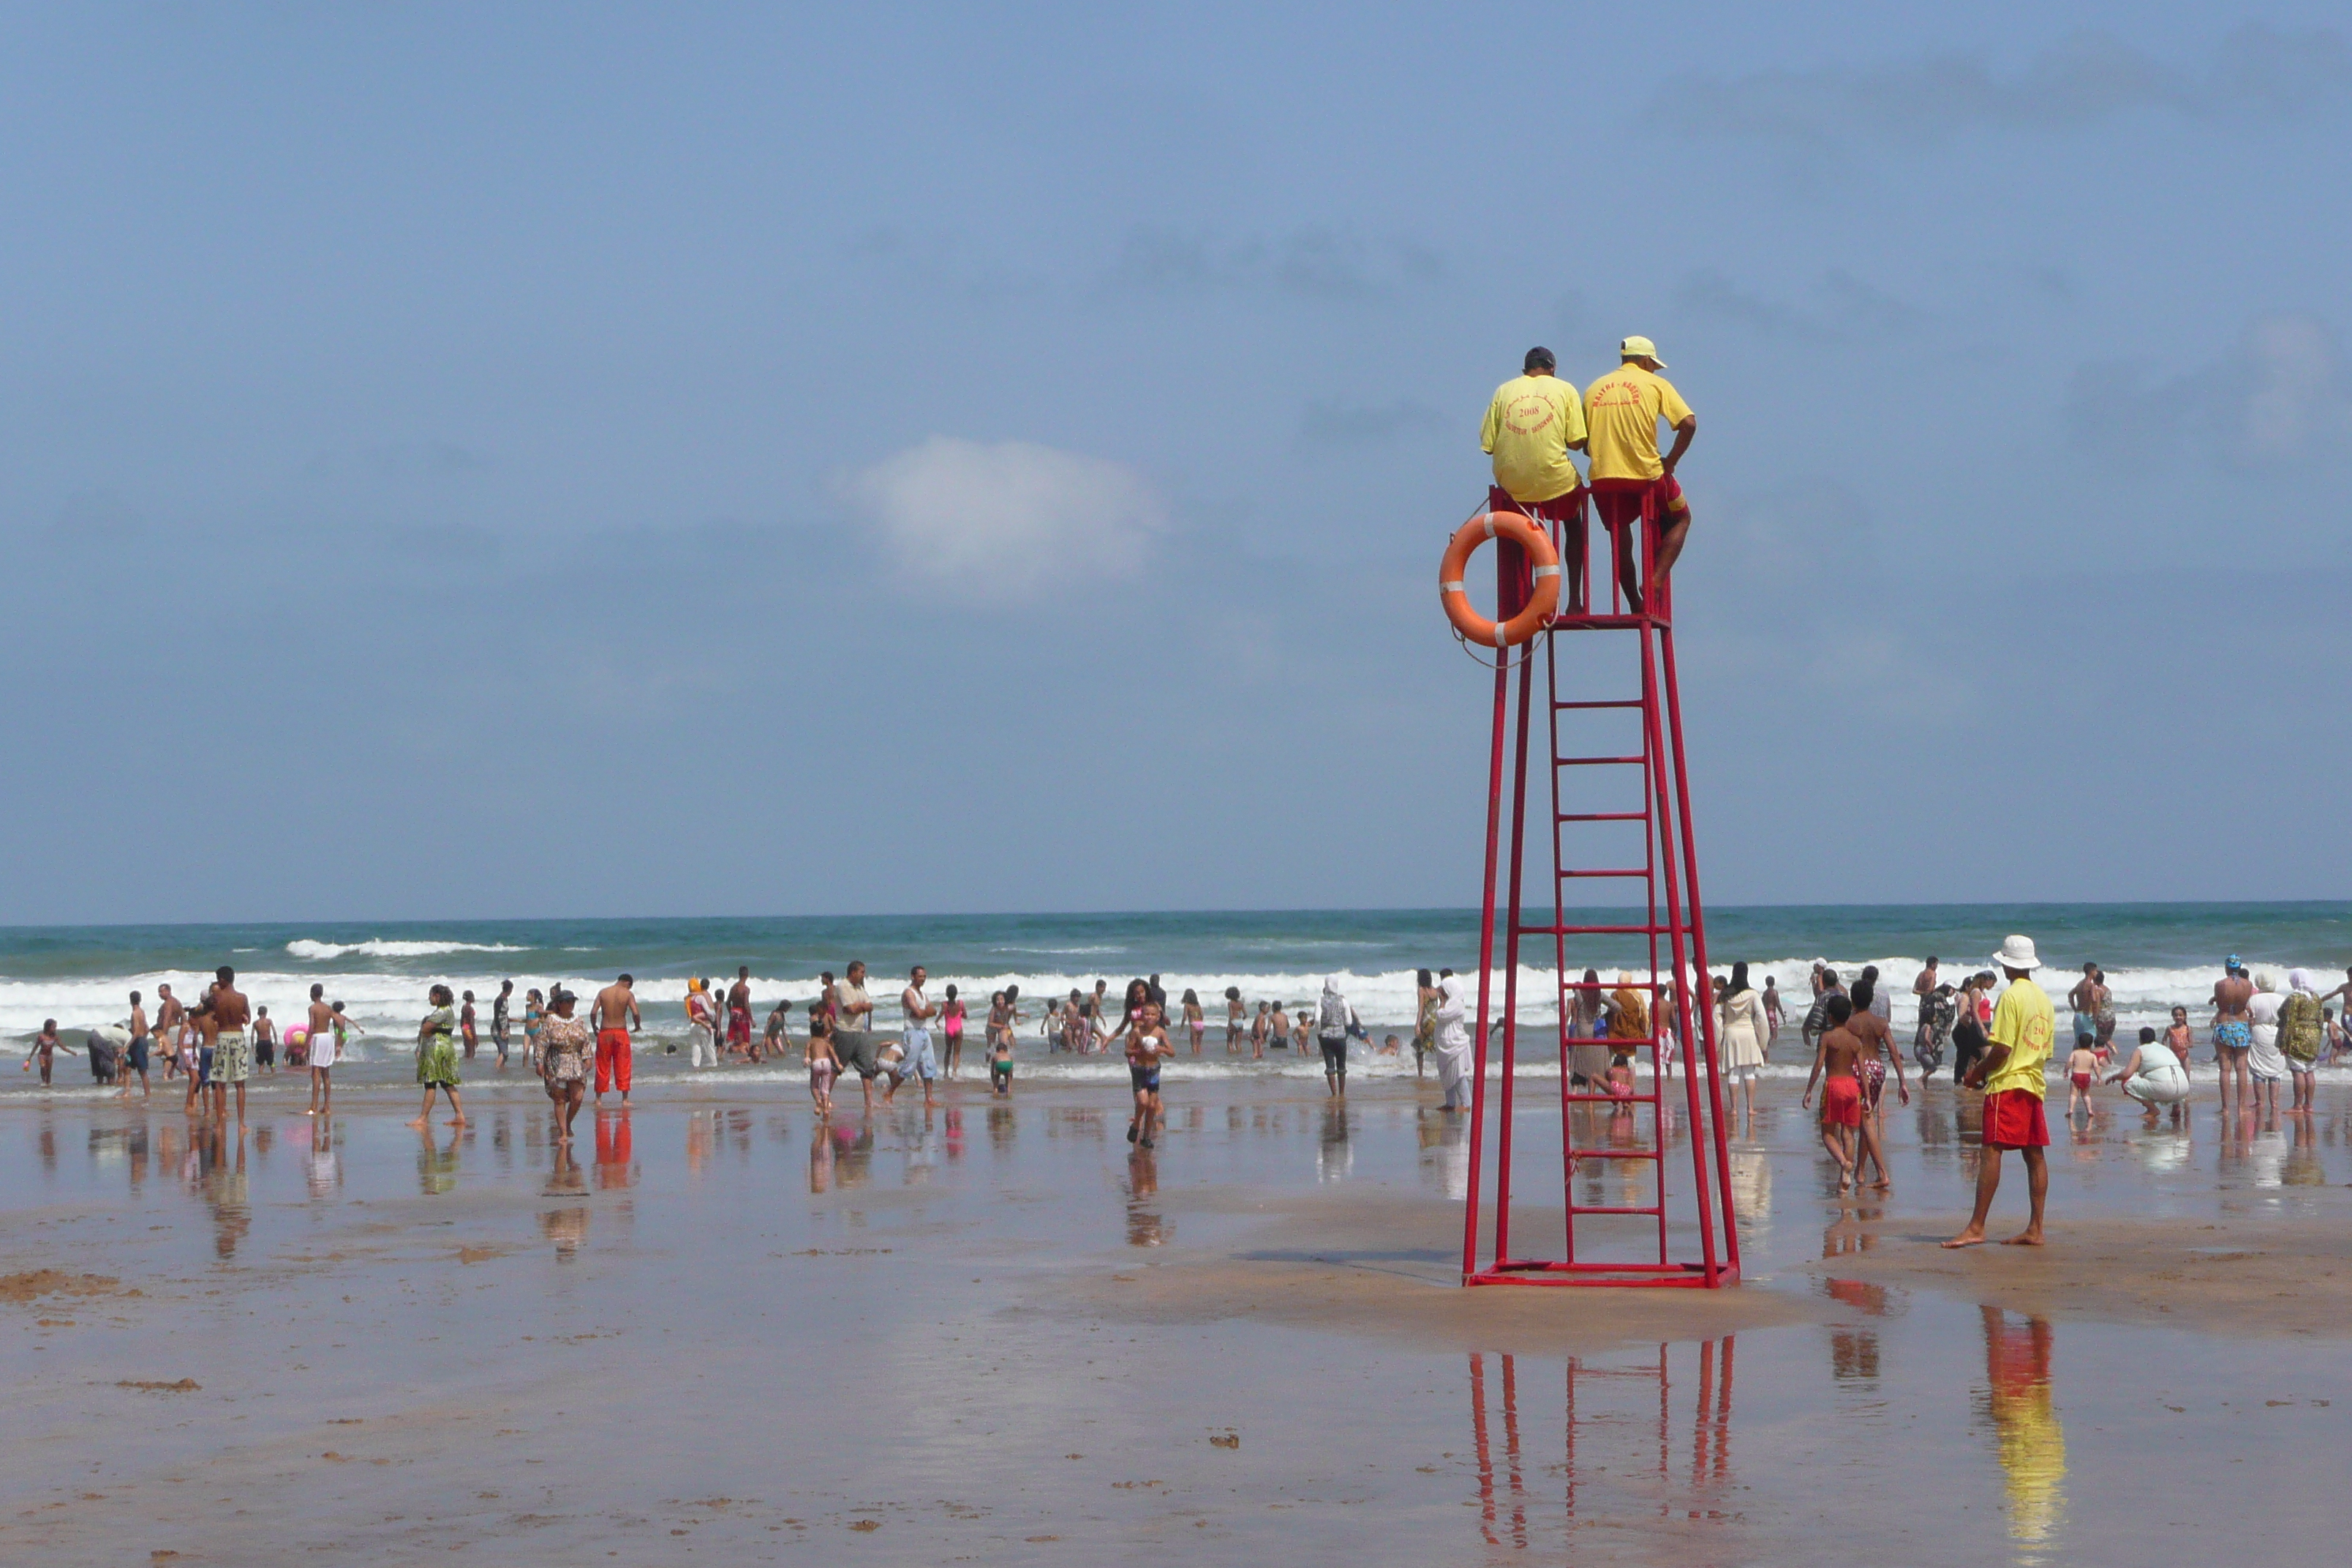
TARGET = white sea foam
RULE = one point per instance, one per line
(381, 947)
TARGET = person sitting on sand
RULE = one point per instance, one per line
(1839, 1048)
(1617, 1083)
(2155, 1076)
(2014, 1073)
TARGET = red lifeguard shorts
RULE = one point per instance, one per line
(1619, 501)
(1842, 1102)
(1518, 573)
(2013, 1120)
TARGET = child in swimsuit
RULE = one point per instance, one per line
(824, 1067)
(951, 1014)
(2080, 1066)
(1000, 1064)
(1618, 1082)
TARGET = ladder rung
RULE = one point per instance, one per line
(1628, 702)
(1612, 1154)
(1603, 817)
(1610, 1098)
(1611, 1208)
(1599, 762)
(1636, 871)
(1597, 930)
(1577, 623)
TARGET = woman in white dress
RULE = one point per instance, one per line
(1453, 1046)
(1743, 1027)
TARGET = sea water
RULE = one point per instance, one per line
(2155, 955)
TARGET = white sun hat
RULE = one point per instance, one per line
(2016, 952)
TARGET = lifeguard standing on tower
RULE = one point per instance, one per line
(1620, 814)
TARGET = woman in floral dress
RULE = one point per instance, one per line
(567, 1051)
(436, 1056)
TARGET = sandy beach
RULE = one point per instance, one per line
(991, 1330)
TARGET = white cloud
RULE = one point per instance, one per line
(1008, 517)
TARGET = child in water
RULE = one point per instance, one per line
(1000, 1064)
(2080, 1063)
(1618, 1082)
(824, 1067)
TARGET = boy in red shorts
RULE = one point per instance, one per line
(2014, 1075)
(1841, 1118)
(1622, 411)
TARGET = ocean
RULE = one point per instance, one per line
(2155, 955)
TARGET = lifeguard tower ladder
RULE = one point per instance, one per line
(1592, 829)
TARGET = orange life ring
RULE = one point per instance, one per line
(1520, 628)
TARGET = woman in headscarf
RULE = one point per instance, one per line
(1333, 1020)
(2301, 1035)
(1742, 1027)
(1453, 1045)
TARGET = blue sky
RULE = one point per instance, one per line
(481, 461)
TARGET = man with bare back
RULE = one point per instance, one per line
(2015, 1072)
(1841, 1117)
(614, 1015)
(739, 1013)
(140, 1042)
(233, 1051)
(169, 1015)
(2234, 1030)
(320, 1021)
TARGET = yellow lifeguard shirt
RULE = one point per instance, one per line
(2024, 1023)
(1622, 410)
(1529, 427)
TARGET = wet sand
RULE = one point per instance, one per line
(994, 1330)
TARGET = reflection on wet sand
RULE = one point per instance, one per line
(1145, 1226)
(567, 1227)
(437, 1162)
(616, 1160)
(2032, 1444)
(1622, 1453)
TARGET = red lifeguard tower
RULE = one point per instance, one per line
(1616, 794)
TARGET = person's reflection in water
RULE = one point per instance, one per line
(1853, 1350)
(1751, 1192)
(324, 1169)
(2303, 1168)
(853, 1152)
(1334, 1155)
(820, 1159)
(1000, 1127)
(615, 1151)
(699, 1127)
(48, 1145)
(2032, 1444)
(1445, 1152)
(437, 1164)
(226, 1192)
(567, 1227)
(1145, 1227)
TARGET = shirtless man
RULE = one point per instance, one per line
(2234, 1030)
(233, 1049)
(2084, 999)
(502, 1020)
(613, 1016)
(739, 1013)
(169, 1017)
(853, 1032)
(919, 1060)
(140, 1044)
(321, 1024)
(1841, 1117)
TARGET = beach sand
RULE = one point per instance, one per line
(992, 1331)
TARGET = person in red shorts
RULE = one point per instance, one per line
(614, 1015)
(1534, 421)
(1622, 410)
(1843, 1121)
(2014, 1073)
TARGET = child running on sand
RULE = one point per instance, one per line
(824, 1067)
(1148, 1047)
(2081, 1064)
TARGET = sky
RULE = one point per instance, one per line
(572, 460)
